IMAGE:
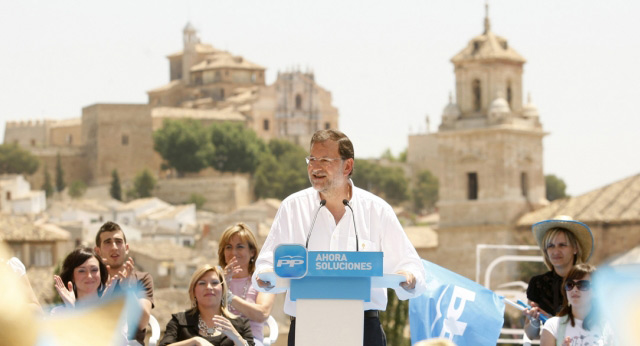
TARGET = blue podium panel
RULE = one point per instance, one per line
(331, 287)
(344, 263)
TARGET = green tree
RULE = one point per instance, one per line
(555, 187)
(60, 185)
(116, 190)
(47, 186)
(387, 154)
(77, 189)
(425, 194)
(15, 160)
(403, 156)
(394, 320)
(184, 145)
(197, 199)
(143, 184)
(387, 182)
(281, 170)
(236, 149)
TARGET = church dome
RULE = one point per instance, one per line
(451, 110)
(499, 105)
(530, 110)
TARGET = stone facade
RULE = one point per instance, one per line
(224, 193)
(117, 136)
(487, 154)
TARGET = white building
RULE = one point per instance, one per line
(17, 198)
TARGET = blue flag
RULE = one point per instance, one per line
(618, 301)
(455, 308)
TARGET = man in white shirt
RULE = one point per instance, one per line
(330, 166)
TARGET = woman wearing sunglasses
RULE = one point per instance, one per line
(564, 243)
(577, 322)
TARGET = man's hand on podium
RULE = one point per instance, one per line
(410, 282)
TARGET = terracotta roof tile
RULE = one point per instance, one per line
(618, 202)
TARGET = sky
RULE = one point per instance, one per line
(386, 63)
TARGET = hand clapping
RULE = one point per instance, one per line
(231, 269)
(66, 293)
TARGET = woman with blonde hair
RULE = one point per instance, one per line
(237, 253)
(564, 243)
(208, 321)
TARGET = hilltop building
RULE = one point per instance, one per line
(206, 84)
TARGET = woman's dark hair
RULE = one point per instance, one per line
(76, 258)
(578, 272)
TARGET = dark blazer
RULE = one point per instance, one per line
(184, 325)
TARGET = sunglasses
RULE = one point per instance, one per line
(582, 285)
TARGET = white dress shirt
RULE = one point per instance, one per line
(378, 230)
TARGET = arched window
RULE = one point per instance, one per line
(477, 93)
(509, 94)
(298, 101)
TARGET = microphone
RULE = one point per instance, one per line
(353, 217)
(322, 203)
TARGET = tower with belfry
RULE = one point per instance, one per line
(487, 152)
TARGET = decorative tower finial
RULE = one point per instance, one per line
(487, 23)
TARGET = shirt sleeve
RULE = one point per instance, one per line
(17, 266)
(171, 333)
(243, 327)
(552, 326)
(265, 257)
(146, 286)
(399, 254)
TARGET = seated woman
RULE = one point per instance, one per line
(237, 254)
(208, 322)
(577, 323)
(85, 277)
(564, 243)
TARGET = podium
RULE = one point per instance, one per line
(329, 288)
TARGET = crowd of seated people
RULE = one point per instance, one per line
(227, 310)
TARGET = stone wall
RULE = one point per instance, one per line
(118, 136)
(28, 134)
(73, 162)
(223, 193)
(456, 251)
(66, 135)
(499, 157)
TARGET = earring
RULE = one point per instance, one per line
(251, 260)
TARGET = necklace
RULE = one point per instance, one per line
(246, 288)
(205, 330)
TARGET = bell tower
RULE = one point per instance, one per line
(489, 145)
(189, 55)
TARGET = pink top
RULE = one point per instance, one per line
(242, 288)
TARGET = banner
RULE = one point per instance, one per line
(455, 308)
(621, 310)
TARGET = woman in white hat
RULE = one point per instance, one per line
(564, 243)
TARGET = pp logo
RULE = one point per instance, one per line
(451, 324)
(290, 261)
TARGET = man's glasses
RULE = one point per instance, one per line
(322, 161)
(583, 285)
